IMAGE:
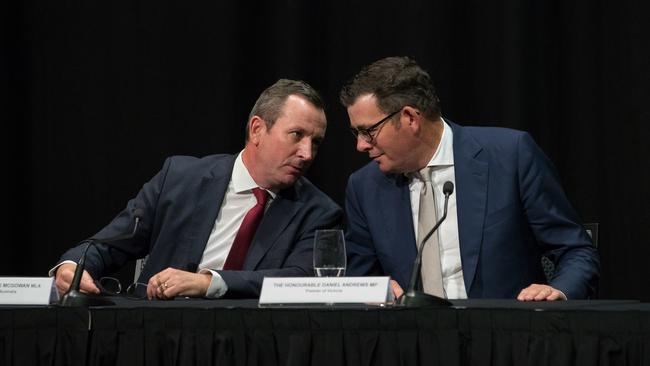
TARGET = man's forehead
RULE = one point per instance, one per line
(365, 111)
(366, 99)
(310, 123)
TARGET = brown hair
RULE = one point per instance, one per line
(395, 82)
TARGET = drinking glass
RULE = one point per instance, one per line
(329, 253)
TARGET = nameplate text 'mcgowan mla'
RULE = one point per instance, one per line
(27, 291)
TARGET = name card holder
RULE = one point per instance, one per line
(27, 291)
(318, 291)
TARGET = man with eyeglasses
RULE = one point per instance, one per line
(216, 226)
(507, 210)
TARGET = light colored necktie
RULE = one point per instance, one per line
(427, 217)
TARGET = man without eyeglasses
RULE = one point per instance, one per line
(215, 226)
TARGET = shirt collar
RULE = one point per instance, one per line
(241, 179)
(444, 155)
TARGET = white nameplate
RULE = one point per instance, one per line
(325, 290)
(27, 290)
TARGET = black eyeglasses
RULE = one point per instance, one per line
(112, 286)
(368, 134)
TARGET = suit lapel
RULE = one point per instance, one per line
(282, 210)
(471, 170)
(212, 190)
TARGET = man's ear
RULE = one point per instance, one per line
(413, 116)
(256, 126)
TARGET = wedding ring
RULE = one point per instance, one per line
(164, 285)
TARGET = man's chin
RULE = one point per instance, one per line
(383, 167)
(288, 181)
(387, 169)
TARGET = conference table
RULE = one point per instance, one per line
(239, 332)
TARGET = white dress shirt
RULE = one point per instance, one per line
(450, 260)
(238, 200)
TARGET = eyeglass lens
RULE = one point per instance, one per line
(112, 286)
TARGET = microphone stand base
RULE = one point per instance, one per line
(76, 298)
(420, 299)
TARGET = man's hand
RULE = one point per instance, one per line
(172, 282)
(537, 292)
(64, 275)
(397, 289)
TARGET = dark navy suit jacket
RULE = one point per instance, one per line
(511, 209)
(180, 206)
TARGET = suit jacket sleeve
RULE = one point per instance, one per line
(362, 257)
(102, 259)
(555, 223)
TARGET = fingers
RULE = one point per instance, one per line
(166, 290)
(536, 292)
(156, 286)
(162, 285)
(397, 289)
(171, 282)
(64, 275)
(87, 284)
(556, 296)
(151, 287)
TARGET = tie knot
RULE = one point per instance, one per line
(424, 174)
(261, 195)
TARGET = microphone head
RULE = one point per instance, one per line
(448, 188)
(138, 212)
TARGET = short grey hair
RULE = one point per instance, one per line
(270, 103)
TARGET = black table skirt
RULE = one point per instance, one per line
(43, 336)
(238, 333)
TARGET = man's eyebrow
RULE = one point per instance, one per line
(362, 126)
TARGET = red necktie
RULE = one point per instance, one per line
(237, 254)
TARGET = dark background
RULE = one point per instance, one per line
(95, 94)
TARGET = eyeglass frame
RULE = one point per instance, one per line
(367, 133)
(130, 291)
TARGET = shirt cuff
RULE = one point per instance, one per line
(217, 287)
(52, 272)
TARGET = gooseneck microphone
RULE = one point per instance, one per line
(413, 297)
(74, 297)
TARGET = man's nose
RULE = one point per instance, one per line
(306, 150)
(362, 144)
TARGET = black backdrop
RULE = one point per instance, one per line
(96, 93)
